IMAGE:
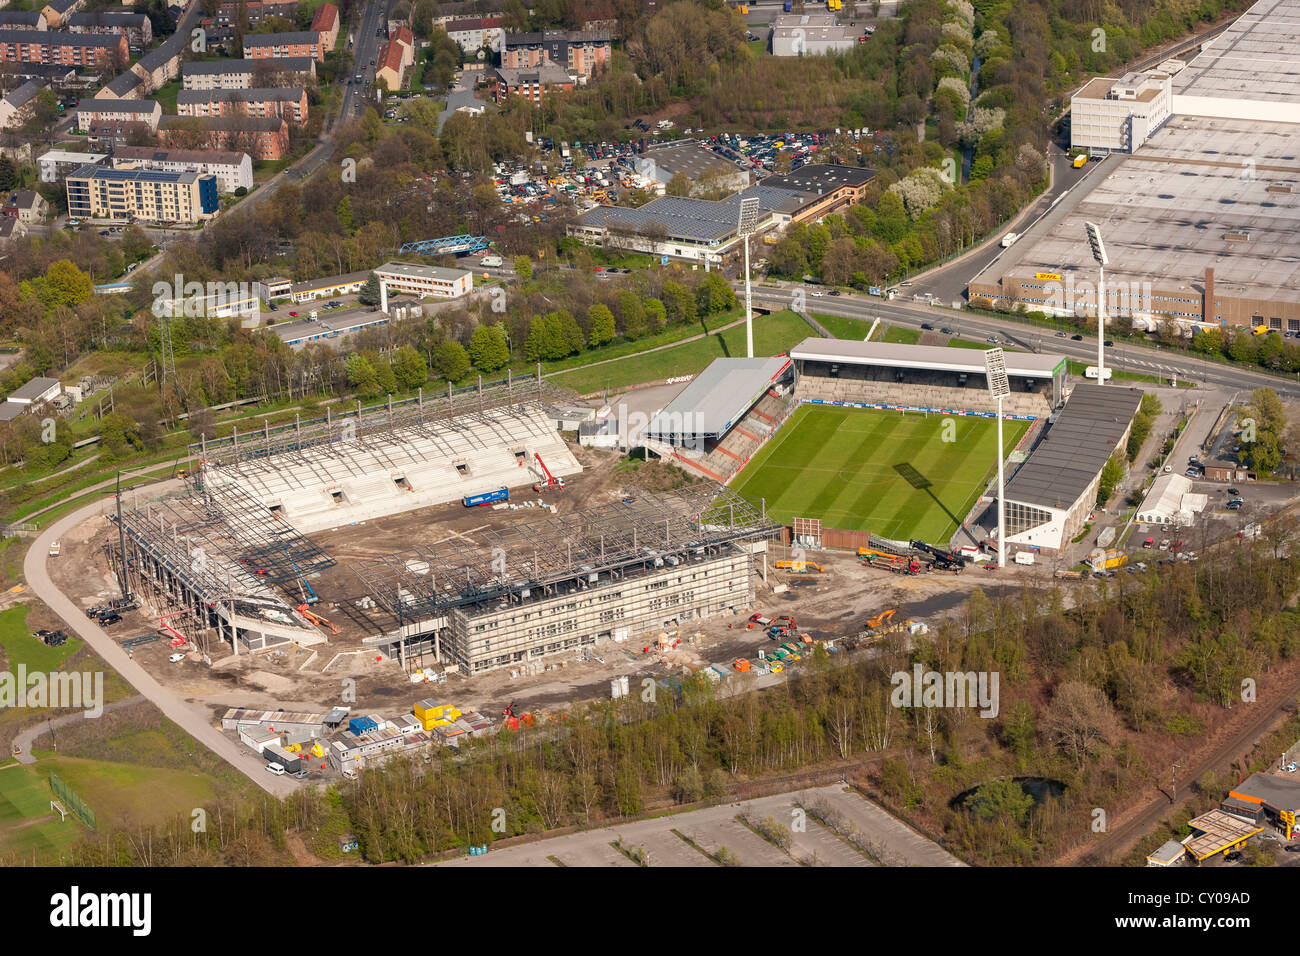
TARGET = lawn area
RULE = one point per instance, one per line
(25, 797)
(20, 647)
(847, 466)
(1077, 368)
(773, 334)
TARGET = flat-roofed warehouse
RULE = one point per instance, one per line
(1200, 227)
(703, 168)
(1049, 497)
(841, 371)
(1251, 71)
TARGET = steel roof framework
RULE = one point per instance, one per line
(419, 583)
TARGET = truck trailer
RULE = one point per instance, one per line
(486, 498)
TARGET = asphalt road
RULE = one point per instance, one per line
(23, 741)
(1136, 358)
(190, 719)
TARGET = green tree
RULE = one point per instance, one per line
(488, 348)
(656, 314)
(362, 375)
(450, 360)
(714, 295)
(524, 268)
(369, 294)
(1208, 341)
(410, 368)
(65, 284)
(1001, 798)
(344, 212)
(602, 325)
(1112, 473)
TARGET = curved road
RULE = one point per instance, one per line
(23, 740)
(189, 718)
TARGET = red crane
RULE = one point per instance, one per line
(551, 483)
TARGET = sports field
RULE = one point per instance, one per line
(901, 476)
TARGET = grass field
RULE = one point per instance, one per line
(25, 827)
(885, 472)
(773, 333)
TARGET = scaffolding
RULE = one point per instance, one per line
(459, 408)
(644, 529)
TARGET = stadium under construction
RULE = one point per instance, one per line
(356, 530)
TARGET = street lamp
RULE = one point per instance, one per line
(1099, 256)
(745, 224)
(995, 371)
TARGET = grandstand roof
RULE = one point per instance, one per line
(1280, 793)
(1075, 448)
(717, 399)
(931, 357)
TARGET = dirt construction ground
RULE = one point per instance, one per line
(832, 604)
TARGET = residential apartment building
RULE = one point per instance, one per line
(580, 52)
(22, 20)
(390, 67)
(262, 46)
(55, 11)
(476, 33)
(291, 104)
(232, 169)
(263, 139)
(126, 194)
(135, 26)
(63, 49)
(99, 112)
(257, 10)
(326, 22)
(16, 108)
(56, 163)
(532, 82)
(245, 74)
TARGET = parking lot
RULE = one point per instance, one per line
(700, 837)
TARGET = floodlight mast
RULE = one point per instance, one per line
(1099, 256)
(995, 371)
(748, 219)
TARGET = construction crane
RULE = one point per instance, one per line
(552, 483)
(310, 597)
(316, 619)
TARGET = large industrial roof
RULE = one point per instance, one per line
(1257, 58)
(1280, 793)
(1167, 214)
(1074, 449)
(937, 357)
(718, 397)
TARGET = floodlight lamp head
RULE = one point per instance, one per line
(1098, 247)
(748, 215)
(995, 371)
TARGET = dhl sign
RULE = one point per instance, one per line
(1047, 275)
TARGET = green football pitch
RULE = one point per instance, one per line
(898, 475)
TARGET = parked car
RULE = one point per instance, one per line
(1164, 545)
(1234, 492)
(1149, 543)
(1060, 335)
(176, 658)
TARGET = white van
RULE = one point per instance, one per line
(276, 769)
(1024, 557)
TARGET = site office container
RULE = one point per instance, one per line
(274, 753)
